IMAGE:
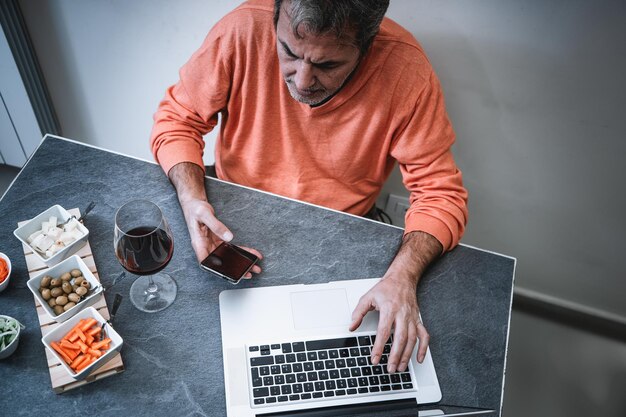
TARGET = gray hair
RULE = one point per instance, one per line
(339, 17)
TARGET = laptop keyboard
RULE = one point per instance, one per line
(313, 370)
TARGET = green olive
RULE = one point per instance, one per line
(81, 291)
(52, 302)
(45, 294)
(76, 273)
(85, 284)
(61, 300)
(78, 280)
(74, 297)
(68, 306)
(55, 292)
(58, 310)
(55, 282)
(67, 287)
(45, 281)
(66, 277)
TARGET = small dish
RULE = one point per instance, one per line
(5, 279)
(74, 262)
(63, 329)
(27, 231)
(10, 348)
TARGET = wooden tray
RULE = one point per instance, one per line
(61, 380)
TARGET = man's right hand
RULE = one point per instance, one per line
(205, 230)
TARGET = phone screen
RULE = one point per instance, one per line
(229, 261)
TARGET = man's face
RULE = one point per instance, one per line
(314, 67)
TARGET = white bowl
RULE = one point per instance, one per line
(33, 225)
(55, 272)
(61, 330)
(10, 348)
(5, 283)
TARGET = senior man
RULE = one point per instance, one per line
(319, 100)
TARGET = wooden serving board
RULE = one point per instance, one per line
(61, 380)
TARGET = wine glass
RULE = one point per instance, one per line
(144, 245)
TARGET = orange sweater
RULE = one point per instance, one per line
(336, 155)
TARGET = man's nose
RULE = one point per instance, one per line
(304, 78)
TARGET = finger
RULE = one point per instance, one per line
(383, 332)
(399, 343)
(360, 311)
(253, 251)
(408, 349)
(424, 338)
(256, 269)
(216, 226)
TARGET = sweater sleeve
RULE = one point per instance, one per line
(438, 200)
(190, 108)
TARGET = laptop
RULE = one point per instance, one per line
(287, 348)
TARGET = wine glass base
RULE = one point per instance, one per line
(154, 296)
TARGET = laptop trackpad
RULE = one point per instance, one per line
(324, 308)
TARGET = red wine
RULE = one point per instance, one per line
(144, 250)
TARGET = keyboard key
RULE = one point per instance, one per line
(298, 346)
(312, 356)
(354, 351)
(270, 400)
(344, 353)
(334, 374)
(395, 378)
(280, 358)
(329, 364)
(286, 347)
(330, 385)
(374, 380)
(362, 382)
(383, 359)
(267, 381)
(407, 386)
(361, 361)
(275, 369)
(301, 377)
(333, 354)
(365, 341)
(365, 351)
(253, 348)
(385, 388)
(342, 383)
(260, 392)
(322, 375)
(351, 391)
(308, 366)
(344, 342)
(340, 392)
(351, 362)
(405, 377)
(254, 372)
(323, 354)
(345, 373)
(340, 363)
(275, 390)
(279, 379)
(311, 376)
(265, 352)
(355, 372)
(318, 395)
(352, 383)
(257, 382)
(258, 401)
(301, 357)
(387, 349)
(291, 358)
(285, 389)
(319, 386)
(297, 367)
(319, 365)
(377, 370)
(297, 388)
(305, 396)
(329, 394)
(264, 370)
(286, 369)
(294, 397)
(291, 378)
(308, 387)
(384, 379)
(396, 387)
(282, 398)
(363, 390)
(366, 370)
(264, 360)
(275, 346)
(265, 347)
(374, 389)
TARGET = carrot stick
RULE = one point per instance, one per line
(83, 347)
(85, 364)
(73, 329)
(69, 345)
(73, 337)
(89, 340)
(81, 357)
(80, 334)
(94, 331)
(56, 347)
(72, 354)
(98, 345)
(95, 353)
(88, 323)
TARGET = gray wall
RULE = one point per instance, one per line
(535, 91)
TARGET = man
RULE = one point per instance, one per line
(319, 99)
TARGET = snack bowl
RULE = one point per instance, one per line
(68, 265)
(54, 341)
(76, 237)
(9, 348)
(5, 279)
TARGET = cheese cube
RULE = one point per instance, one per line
(52, 221)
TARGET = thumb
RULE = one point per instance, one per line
(362, 308)
(217, 226)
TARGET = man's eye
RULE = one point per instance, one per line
(326, 66)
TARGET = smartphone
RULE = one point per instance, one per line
(229, 262)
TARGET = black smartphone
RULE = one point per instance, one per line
(229, 262)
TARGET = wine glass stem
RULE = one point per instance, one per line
(152, 291)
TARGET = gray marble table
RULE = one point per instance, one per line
(173, 358)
